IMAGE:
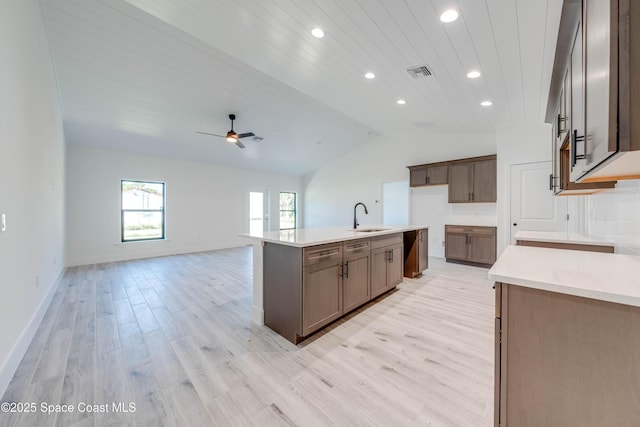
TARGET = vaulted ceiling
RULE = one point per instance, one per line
(145, 75)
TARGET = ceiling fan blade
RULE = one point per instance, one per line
(212, 134)
(239, 144)
(244, 135)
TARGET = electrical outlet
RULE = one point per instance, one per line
(55, 261)
(443, 243)
(3, 223)
(37, 281)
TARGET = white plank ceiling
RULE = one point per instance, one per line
(145, 75)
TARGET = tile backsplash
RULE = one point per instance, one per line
(614, 216)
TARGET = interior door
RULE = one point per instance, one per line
(258, 209)
(533, 206)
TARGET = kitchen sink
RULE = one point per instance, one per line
(370, 230)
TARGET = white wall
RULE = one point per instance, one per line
(206, 205)
(31, 180)
(614, 215)
(331, 192)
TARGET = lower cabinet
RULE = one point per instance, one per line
(470, 244)
(387, 265)
(305, 289)
(563, 360)
(416, 252)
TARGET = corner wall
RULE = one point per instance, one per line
(331, 192)
(31, 180)
(206, 205)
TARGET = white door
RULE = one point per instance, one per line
(258, 208)
(395, 203)
(533, 205)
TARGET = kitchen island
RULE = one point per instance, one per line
(567, 338)
(305, 279)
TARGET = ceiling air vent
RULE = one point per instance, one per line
(419, 72)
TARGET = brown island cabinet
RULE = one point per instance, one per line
(308, 287)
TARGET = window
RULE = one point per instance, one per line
(287, 211)
(142, 210)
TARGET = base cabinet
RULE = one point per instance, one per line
(470, 244)
(416, 252)
(305, 289)
(563, 360)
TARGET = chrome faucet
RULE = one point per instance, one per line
(355, 218)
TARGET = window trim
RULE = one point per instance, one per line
(162, 211)
(294, 210)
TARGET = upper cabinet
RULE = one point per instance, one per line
(471, 180)
(431, 174)
(594, 101)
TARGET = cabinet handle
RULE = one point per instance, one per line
(346, 264)
(473, 196)
(390, 255)
(574, 142)
(559, 127)
(550, 182)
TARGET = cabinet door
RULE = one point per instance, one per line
(482, 248)
(379, 259)
(484, 181)
(455, 246)
(460, 182)
(437, 175)
(355, 281)
(321, 295)
(601, 82)
(423, 250)
(395, 266)
(418, 177)
(577, 105)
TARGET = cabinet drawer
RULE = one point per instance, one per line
(390, 239)
(321, 253)
(356, 246)
(469, 229)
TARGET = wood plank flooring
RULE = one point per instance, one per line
(173, 336)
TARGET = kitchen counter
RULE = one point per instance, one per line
(600, 276)
(304, 237)
(560, 237)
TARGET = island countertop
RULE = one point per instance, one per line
(304, 237)
(560, 237)
(601, 276)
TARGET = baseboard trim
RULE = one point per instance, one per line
(126, 256)
(257, 315)
(21, 346)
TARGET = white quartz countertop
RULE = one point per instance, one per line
(560, 237)
(596, 275)
(303, 237)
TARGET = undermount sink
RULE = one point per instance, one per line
(369, 230)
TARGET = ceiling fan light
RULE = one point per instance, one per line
(232, 139)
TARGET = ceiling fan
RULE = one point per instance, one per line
(231, 136)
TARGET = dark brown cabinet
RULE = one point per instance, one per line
(416, 252)
(386, 263)
(596, 50)
(356, 271)
(470, 244)
(473, 181)
(321, 295)
(423, 175)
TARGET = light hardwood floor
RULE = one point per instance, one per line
(172, 335)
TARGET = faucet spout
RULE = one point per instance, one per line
(355, 218)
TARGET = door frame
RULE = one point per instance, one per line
(265, 206)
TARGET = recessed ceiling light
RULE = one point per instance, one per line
(449, 16)
(474, 74)
(486, 103)
(401, 101)
(317, 33)
(370, 75)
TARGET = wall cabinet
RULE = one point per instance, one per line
(597, 49)
(473, 181)
(432, 174)
(416, 252)
(386, 264)
(470, 244)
